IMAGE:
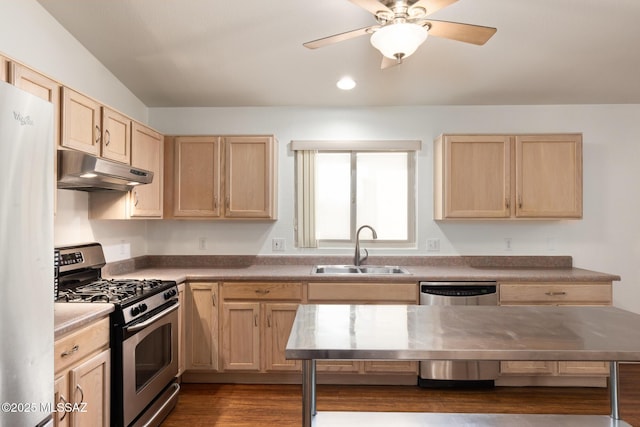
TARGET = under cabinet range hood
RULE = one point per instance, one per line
(84, 172)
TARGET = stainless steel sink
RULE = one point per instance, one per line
(362, 269)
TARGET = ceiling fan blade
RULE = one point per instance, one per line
(388, 63)
(432, 5)
(338, 37)
(373, 6)
(468, 33)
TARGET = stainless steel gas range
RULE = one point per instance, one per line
(144, 333)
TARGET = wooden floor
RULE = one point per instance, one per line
(240, 405)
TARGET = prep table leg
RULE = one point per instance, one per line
(308, 391)
(614, 390)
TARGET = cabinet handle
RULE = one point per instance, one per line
(262, 291)
(215, 202)
(255, 320)
(555, 294)
(227, 202)
(135, 198)
(98, 134)
(74, 349)
(507, 203)
(214, 299)
(269, 321)
(107, 137)
(81, 393)
(520, 201)
(64, 403)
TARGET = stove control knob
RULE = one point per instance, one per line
(135, 311)
(142, 307)
(170, 293)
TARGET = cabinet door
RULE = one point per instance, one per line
(549, 176)
(61, 397)
(241, 336)
(116, 136)
(41, 86)
(147, 153)
(80, 122)
(202, 326)
(249, 177)
(476, 175)
(278, 322)
(90, 384)
(196, 177)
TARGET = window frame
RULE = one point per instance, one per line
(412, 194)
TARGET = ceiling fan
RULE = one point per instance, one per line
(403, 26)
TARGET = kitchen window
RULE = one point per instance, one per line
(343, 185)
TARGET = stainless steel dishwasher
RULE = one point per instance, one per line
(447, 373)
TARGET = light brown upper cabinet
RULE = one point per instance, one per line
(90, 127)
(144, 201)
(220, 177)
(508, 176)
(116, 136)
(80, 122)
(41, 86)
(249, 177)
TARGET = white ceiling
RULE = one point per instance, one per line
(177, 53)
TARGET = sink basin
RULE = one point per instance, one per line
(363, 269)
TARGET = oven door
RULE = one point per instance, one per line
(150, 360)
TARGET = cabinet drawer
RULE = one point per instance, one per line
(76, 346)
(364, 292)
(262, 291)
(556, 293)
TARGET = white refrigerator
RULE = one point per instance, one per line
(26, 258)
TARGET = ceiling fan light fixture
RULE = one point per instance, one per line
(397, 41)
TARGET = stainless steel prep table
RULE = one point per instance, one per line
(407, 332)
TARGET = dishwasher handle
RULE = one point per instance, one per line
(458, 290)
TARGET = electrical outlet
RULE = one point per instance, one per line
(277, 244)
(508, 244)
(202, 243)
(433, 245)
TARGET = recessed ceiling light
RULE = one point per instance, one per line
(346, 83)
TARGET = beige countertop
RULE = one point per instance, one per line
(70, 316)
(417, 273)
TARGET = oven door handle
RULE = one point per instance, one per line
(142, 325)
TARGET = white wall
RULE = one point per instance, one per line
(605, 240)
(30, 35)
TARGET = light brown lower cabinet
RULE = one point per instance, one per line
(256, 321)
(201, 326)
(565, 373)
(364, 293)
(82, 364)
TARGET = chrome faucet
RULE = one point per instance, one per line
(356, 259)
